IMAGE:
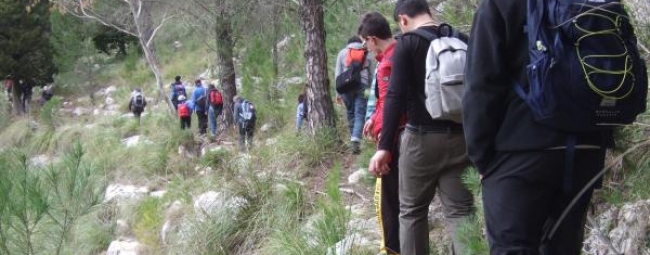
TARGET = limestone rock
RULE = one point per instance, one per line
(123, 247)
(357, 176)
(126, 192)
(41, 160)
(620, 230)
(109, 101)
(214, 203)
(80, 111)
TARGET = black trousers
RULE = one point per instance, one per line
(389, 205)
(186, 122)
(525, 193)
(245, 136)
(203, 122)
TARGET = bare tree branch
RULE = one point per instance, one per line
(155, 30)
(86, 14)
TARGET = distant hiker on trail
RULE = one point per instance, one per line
(432, 156)
(376, 34)
(9, 84)
(200, 103)
(215, 98)
(27, 89)
(137, 103)
(184, 112)
(533, 165)
(46, 95)
(351, 71)
(245, 117)
(301, 111)
(177, 89)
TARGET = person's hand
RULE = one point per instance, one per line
(379, 163)
(339, 99)
(367, 130)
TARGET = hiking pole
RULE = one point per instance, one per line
(549, 235)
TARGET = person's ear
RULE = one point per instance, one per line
(403, 20)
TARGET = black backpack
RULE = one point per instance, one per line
(350, 79)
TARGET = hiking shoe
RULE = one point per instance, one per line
(355, 147)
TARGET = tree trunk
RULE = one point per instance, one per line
(149, 52)
(225, 47)
(17, 99)
(319, 100)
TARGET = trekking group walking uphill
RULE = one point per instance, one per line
(529, 99)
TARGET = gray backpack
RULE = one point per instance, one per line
(445, 70)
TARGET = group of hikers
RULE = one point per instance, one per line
(530, 108)
(10, 83)
(207, 104)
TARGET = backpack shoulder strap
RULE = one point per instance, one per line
(423, 33)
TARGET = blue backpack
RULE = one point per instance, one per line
(585, 71)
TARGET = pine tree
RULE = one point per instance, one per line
(25, 49)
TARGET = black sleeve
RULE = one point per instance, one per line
(487, 83)
(395, 102)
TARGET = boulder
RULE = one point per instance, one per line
(109, 101)
(212, 203)
(357, 176)
(123, 247)
(79, 111)
(124, 192)
(41, 160)
(620, 230)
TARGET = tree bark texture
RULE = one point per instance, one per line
(225, 47)
(319, 100)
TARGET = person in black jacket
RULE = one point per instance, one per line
(433, 154)
(525, 183)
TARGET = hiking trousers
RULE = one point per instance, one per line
(388, 206)
(525, 193)
(431, 161)
(203, 122)
(355, 106)
(245, 136)
(186, 122)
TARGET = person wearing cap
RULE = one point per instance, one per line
(184, 112)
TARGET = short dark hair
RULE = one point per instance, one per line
(411, 8)
(374, 24)
(177, 78)
(354, 39)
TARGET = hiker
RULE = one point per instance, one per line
(245, 118)
(184, 112)
(215, 98)
(9, 84)
(199, 101)
(26, 88)
(46, 95)
(433, 155)
(177, 89)
(354, 55)
(301, 111)
(531, 169)
(376, 34)
(137, 103)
